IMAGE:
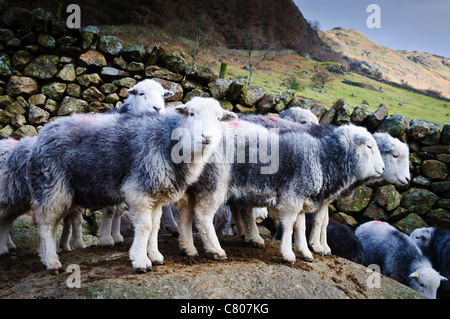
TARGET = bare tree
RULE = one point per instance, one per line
(320, 78)
(258, 49)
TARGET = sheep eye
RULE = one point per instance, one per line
(395, 156)
(141, 94)
(369, 146)
(191, 114)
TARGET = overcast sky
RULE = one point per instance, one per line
(413, 25)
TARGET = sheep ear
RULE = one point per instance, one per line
(168, 94)
(360, 139)
(181, 109)
(414, 275)
(443, 278)
(386, 147)
(228, 116)
(132, 91)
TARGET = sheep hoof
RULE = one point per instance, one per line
(158, 262)
(55, 272)
(257, 244)
(120, 243)
(308, 259)
(143, 270)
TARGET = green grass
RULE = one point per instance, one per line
(399, 101)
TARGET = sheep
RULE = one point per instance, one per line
(395, 155)
(147, 162)
(308, 170)
(434, 243)
(146, 96)
(341, 238)
(299, 115)
(398, 257)
(14, 192)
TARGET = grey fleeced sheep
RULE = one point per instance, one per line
(435, 244)
(299, 115)
(398, 257)
(308, 170)
(147, 162)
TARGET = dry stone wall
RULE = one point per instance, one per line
(48, 70)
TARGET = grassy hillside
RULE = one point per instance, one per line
(272, 71)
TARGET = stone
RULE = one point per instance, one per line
(175, 62)
(125, 82)
(433, 169)
(46, 40)
(339, 103)
(251, 94)
(92, 59)
(395, 125)
(154, 71)
(287, 96)
(99, 107)
(342, 116)
(5, 65)
(426, 132)
(201, 74)
(136, 67)
(134, 53)
(21, 58)
(6, 35)
(421, 181)
(445, 134)
(17, 107)
(245, 109)
(26, 130)
(22, 85)
(445, 158)
(37, 115)
(345, 219)
(18, 18)
(37, 99)
(67, 73)
(108, 88)
(110, 45)
(18, 121)
(418, 200)
(299, 101)
(328, 117)
(194, 93)
(155, 56)
(409, 223)
(92, 94)
(7, 131)
(235, 89)
(89, 35)
(112, 98)
(226, 105)
(372, 121)
(397, 214)
(51, 105)
(5, 117)
(436, 149)
(359, 113)
(89, 79)
(439, 218)
(5, 100)
(387, 197)
(219, 88)
(440, 187)
(110, 72)
(73, 90)
(54, 90)
(71, 105)
(375, 212)
(318, 110)
(43, 67)
(267, 103)
(357, 201)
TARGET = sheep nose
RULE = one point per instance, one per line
(157, 109)
(206, 139)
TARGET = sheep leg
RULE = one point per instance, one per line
(300, 241)
(186, 211)
(204, 220)
(46, 222)
(104, 229)
(66, 232)
(323, 234)
(235, 213)
(287, 220)
(115, 228)
(316, 230)
(252, 235)
(76, 219)
(6, 243)
(152, 246)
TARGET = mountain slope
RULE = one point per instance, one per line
(420, 70)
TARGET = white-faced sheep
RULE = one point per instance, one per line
(398, 257)
(146, 96)
(299, 115)
(395, 156)
(308, 170)
(434, 243)
(141, 165)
